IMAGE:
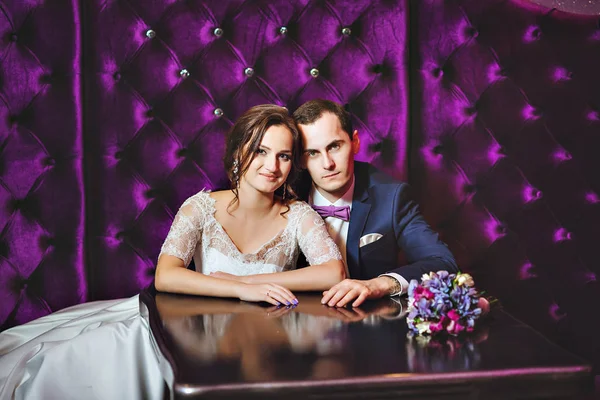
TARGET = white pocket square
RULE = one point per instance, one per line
(370, 238)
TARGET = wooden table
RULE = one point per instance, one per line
(219, 348)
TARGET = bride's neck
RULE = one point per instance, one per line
(252, 202)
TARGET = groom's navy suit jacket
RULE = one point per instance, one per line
(408, 247)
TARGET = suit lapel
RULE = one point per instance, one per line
(358, 218)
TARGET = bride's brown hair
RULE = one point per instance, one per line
(244, 139)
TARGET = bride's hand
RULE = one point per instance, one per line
(267, 292)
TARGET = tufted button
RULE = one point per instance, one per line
(150, 34)
(46, 79)
(119, 154)
(525, 271)
(532, 194)
(24, 286)
(471, 32)
(314, 72)
(18, 204)
(49, 161)
(150, 193)
(555, 312)
(117, 76)
(346, 31)
(561, 235)
(470, 111)
(438, 149)
(592, 198)
(150, 113)
(184, 73)
(562, 74)
(590, 277)
(531, 112)
(562, 155)
(14, 37)
(218, 112)
(378, 68)
(13, 119)
(593, 116)
(533, 33)
(501, 229)
(218, 32)
(249, 72)
(120, 236)
(46, 242)
(470, 188)
(437, 72)
(182, 152)
(283, 30)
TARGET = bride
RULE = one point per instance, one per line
(104, 349)
(257, 227)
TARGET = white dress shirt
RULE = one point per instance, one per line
(338, 228)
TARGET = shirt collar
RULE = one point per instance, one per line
(317, 199)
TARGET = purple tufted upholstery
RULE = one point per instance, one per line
(505, 127)
(495, 103)
(41, 183)
(166, 81)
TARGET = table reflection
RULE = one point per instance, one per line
(306, 341)
(430, 355)
(246, 350)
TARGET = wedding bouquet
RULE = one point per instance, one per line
(443, 303)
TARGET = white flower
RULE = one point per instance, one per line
(465, 279)
(423, 327)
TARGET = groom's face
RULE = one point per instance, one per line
(329, 155)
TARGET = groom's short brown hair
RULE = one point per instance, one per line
(312, 110)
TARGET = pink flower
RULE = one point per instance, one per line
(453, 315)
(427, 294)
(437, 326)
(454, 328)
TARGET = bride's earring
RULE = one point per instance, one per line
(235, 171)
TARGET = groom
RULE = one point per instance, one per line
(370, 216)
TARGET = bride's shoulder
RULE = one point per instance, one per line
(299, 207)
(202, 199)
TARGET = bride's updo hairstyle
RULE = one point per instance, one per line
(244, 139)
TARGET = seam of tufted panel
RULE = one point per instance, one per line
(41, 193)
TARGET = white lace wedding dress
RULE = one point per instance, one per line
(105, 350)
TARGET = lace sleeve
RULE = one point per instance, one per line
(313, 238)
(185, 231)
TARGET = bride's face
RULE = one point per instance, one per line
(272, 162)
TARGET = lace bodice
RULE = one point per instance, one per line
(196, 234)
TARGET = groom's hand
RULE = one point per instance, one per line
(359, 291)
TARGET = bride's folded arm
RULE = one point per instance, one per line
(172, 276)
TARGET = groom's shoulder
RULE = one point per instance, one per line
(375, 177)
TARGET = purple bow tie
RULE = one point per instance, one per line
(342, 213)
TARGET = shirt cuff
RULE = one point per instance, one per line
(403, 283)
